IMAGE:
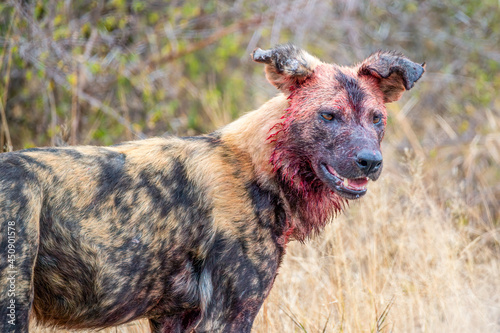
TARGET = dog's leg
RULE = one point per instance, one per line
(20, 206)
(226, 317)
(222, 320)
(233, 297)
(235, 301)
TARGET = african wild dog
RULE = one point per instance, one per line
(190, 232)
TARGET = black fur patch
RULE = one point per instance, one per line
(354, 91)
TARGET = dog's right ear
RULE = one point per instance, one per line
(395, 73)
(286, 65)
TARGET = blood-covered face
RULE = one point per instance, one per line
(326, 146)
(334, 127)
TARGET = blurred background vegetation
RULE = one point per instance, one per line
(101, 72)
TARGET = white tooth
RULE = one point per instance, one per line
(346, 182)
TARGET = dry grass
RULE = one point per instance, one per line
(399, 247)
(415, 255)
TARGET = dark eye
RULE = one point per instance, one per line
(327, 116)
(377, 119)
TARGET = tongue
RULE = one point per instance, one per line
(358, 183)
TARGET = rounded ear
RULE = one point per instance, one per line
(394, 71)
(286, 65)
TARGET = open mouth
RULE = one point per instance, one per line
(348, 188)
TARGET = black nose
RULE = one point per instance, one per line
(369, 161)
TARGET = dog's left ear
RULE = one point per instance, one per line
(395, 73)
(287, 66)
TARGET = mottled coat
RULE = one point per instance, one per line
(190, 232)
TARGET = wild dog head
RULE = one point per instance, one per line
(327, 144)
